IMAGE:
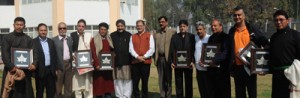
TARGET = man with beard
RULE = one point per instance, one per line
(122, 76)
(17, 39)
(63, 44)
(162, 42)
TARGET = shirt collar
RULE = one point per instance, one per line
(43, 40)
(79, 34)
(60, 37)
(241, 29)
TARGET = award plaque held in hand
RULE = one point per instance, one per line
(209, 52)
(83, 59)
(106, 60)
(245, 54)
(182, 59)
(21, 58)
(259, 61)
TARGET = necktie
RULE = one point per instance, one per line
(66, 49)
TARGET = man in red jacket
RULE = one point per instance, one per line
(141, 47)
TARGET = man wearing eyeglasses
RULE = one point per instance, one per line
(63, 44)
(284, 50)
(239, 36)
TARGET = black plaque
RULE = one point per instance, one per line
(83, 59)
(209, 52)
(181, 59)
(259, 61)
(21, 58)
(106, 60)
(245, 54)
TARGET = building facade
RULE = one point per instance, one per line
(51, 12)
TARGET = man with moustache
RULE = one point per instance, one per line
(141, 47)
(122, 76)
(162, 42)
(239, 36)
(201, 71)
(44, 57)
(63, 44)
(17, 39)
(284, 50)
(218, 74)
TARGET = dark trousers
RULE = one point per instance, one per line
(243, 81)
(48, 82)
(219, 82)
(203, 84)
(140, 71)
(164, 77)
(280, 85)
(188, 74)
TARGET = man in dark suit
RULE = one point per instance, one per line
(63, 45)
(44, 57)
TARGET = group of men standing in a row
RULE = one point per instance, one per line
(214, 78)
(53, 59)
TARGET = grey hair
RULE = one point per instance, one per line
(200, 23)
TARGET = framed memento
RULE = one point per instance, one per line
(106, 60)
(209, 52)
(259, 61)
(21, 57)
(181, 59)
(83, 59)
(245, 54)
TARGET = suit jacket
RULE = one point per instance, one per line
(75, 39)
(60, 49)
(158, 35)
(39, 57)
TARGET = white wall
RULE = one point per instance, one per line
(7, 17)
(130, 13)
(36, 13)
(93, 12)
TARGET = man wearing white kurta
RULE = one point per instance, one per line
(82, 84)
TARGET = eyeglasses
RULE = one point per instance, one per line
(62, 28)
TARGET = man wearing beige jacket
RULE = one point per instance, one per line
(162, 42)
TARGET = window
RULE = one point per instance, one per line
(5, 30)
(70, 27)
(49, 28)
(88, 27)
(95, 27)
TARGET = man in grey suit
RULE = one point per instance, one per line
(63, 44)
(162, 42)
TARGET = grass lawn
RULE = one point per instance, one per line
(263, 85)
